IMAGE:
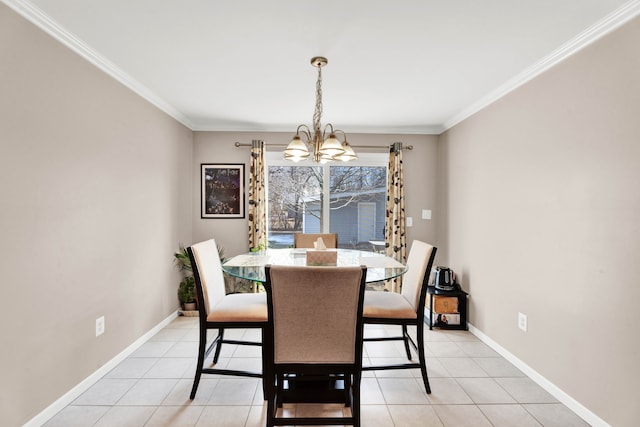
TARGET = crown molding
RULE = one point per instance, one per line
(42, 21)
(380, 130)
(612, 21)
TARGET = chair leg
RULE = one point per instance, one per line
(279, 385)
(272, 407)
(405, 338)
(271, 396)
(216, 355)
(421, 358)
(347, 390)
(355, 404)
(202, 348)
(267, 373)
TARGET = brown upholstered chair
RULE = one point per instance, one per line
(315, 332)
(405, 308)
(306, 240)
(220, 311)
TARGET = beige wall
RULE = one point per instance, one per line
(542, 207)
(218, 147)
(95, 197)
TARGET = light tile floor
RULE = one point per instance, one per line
(471, 386)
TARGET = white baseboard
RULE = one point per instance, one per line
(556, 392)
(75, 392)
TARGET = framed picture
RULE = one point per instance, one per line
(222, 192)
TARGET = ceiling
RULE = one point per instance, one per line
(407, 66)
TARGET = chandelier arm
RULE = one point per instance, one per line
(324, 131)
(335, 132)
(304, 130)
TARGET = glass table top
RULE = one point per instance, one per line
(251, 265)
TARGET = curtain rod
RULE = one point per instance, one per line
(386, 147)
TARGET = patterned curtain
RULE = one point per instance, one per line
(257, 198)
(395, 233)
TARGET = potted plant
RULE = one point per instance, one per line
(187, 293)
(187, 287)
(183, 262)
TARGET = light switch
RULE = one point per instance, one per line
(426, 213)
(409, 222)
(100, 326)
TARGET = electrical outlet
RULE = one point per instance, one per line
(522, 321)
(409, 221)
(99, 326)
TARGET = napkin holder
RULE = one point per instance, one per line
(327, 257)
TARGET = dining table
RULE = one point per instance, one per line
(251, 265)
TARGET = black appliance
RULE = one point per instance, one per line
(445, 279)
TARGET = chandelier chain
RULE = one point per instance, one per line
(317, 115)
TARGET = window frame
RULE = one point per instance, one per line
(274, 158)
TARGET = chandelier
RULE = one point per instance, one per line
(324, 148)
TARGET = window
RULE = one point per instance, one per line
(343, 198)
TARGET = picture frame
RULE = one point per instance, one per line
(222, 190)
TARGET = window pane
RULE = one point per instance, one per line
(357, 205)
(294, 198)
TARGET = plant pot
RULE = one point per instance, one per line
(189, 306)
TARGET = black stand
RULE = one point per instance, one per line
(462, 308)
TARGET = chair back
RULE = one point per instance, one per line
(306, 240)
(316, 313)
(208, 274)
(419, 262)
